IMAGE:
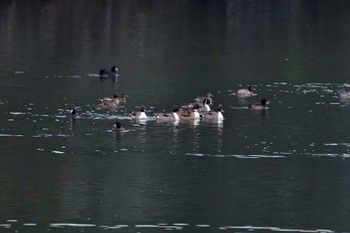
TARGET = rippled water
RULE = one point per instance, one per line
(284, 169)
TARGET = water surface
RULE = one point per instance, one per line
(284, 169)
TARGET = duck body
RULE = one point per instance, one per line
(259, 106)
(248, 92)
(214, 115)
(110, 102)
(113, 72)
(139, 115)
(121, 98)
(173, 116)
(190, 114)
(344, 95)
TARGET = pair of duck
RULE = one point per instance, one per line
(112, 102)
(249, 92)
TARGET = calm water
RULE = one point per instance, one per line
(283, 169)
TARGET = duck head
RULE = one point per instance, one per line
(250, 88)
(114, 69)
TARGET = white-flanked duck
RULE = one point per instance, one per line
(259, 106)
(204, 106)
(191, 113)
(214, 115)
(173, 116)
(248, 92)
(139, 115)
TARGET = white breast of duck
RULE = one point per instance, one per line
(220, 116)
(196, 114)
(142, 115)
(176, 116)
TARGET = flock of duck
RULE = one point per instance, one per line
(200, 108)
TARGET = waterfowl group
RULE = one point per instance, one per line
(200, 109)
(193, 111)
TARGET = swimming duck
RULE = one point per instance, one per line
(245, 92)
(117, 127)
(110, 102)
(191, 113)
(71, 114)
(212, 115)
(139, 115)
(104, 72)
(204, 106)
(205, 99)
(173, 116)
(114, 101)
(344, 95)
(260, 106)
(121, 98)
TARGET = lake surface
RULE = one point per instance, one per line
(284, 169)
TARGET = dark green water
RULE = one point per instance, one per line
(283, 169)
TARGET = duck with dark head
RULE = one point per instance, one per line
(259, 106)
(117, 127)
(104, 72)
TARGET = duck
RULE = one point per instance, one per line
(205, 99)
(104, 72)
(113, 101)
(139, 115)
(71, 114)
(117, 127)
(110, 102)
(204, 106)
(259, 106)
(191, 113)
(248, 92)
(344, 95)
(214, 115)
(121, 98)
(173, 116)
